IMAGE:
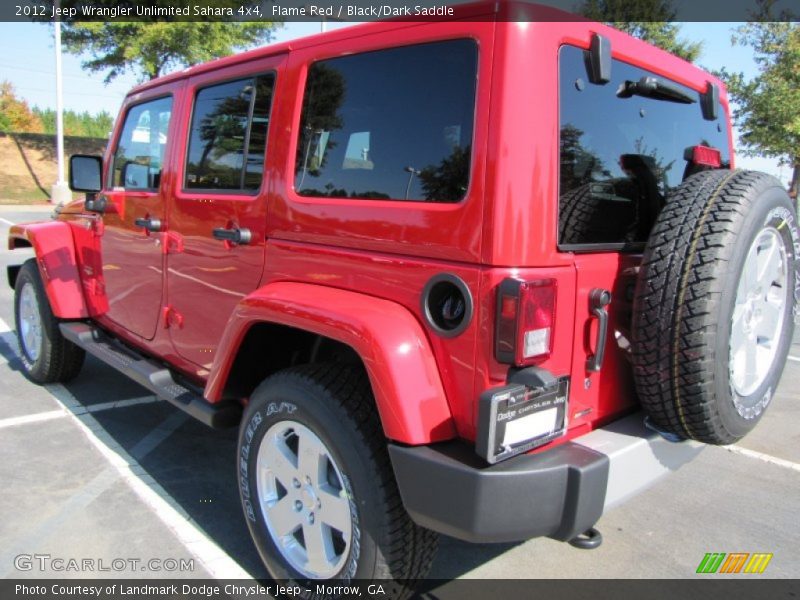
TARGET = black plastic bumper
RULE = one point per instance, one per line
(447, 488)
(558, 493)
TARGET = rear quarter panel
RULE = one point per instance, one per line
(426, 230)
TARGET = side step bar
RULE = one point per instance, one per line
(151, 375)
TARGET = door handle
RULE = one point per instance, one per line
(149, 224)
(598, 300)
(235, 235)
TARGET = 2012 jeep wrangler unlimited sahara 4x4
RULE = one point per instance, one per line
(484, 277)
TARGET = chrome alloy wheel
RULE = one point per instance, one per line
(30, 322)
(304, 500)
(758, 314)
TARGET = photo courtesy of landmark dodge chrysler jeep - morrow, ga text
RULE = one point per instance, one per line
(485, 278)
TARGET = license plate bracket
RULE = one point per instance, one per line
(529, 411)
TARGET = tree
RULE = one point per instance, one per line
(767, 107)
(152, 48)
(15, 114)
(77, 124)
(579, 165)
(649, 20)
(448, 180)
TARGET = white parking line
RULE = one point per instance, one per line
(781, 462)
(794, 358)
(210, 556)
(34, 418)
(6, 221)
(87, 494)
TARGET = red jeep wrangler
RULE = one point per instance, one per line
(487, 278)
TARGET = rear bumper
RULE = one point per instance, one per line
(558, 493)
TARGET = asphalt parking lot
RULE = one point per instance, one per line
(98, 469)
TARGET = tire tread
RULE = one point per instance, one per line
(677, 301)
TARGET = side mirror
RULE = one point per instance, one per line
(85, 173)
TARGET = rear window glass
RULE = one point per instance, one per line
(394, 124)
(620, 156)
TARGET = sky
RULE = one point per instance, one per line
(27, 61)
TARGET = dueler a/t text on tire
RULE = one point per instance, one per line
(317, 486)
(714, 305)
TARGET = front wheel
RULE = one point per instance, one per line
(46, 355)
(317, 486)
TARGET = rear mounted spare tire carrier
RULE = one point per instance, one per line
(713, 308)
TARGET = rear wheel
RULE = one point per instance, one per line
(714, 304)
(46, 355)
(317, 486)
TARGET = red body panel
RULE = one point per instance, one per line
(133, 263)
(133, 258)
(399, 280)
(389, 340)
(207, 277)
(432, 230)
(55, 252)
(354, 270)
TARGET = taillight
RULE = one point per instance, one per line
(703, 155)
(525, 320)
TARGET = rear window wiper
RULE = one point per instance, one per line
(652, 87)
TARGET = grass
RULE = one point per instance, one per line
(10, 195)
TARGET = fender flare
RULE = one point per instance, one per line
(54, 246)
(401, 366)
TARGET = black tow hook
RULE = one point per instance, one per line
(588, 540)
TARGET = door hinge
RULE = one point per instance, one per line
(96, 226)
(171, 318)
(94, 286)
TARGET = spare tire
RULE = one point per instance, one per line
(713, 312)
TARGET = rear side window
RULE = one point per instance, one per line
(139, 156)
(228, 136)
(621, 154)
(393, 124)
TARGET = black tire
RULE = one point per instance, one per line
(685, 298)
(335, 402)
(58, 360)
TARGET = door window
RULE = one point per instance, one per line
(139, 157)
(228, 137)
